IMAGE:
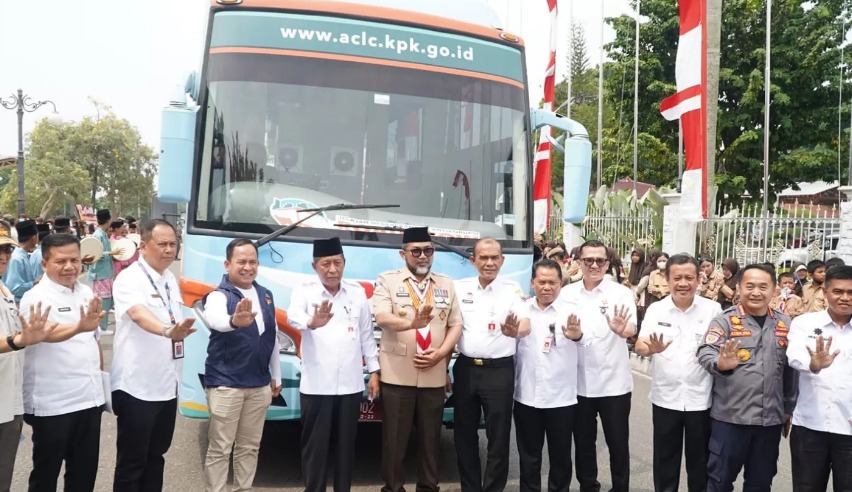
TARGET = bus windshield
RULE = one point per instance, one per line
(283, 132)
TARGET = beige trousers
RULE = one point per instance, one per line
(237, 416)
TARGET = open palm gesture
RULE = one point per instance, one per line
(822, 357)
(422, 317)
(38, 328)
(728, 358)
(243, 315)
(618, 322)
(91, 315)
(322, 315)
(657, 344)
(510, 326)
(572, 329)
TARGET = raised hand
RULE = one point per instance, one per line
(728, 358)
(181, 330)
(657, 344)
(322, 315)
(618, 323)
(90, 316)
(822, 357)
(38, 328)
(422, 317)
(510, 326)
(243, 315)
(572, 329)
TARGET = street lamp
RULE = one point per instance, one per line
(22, 103)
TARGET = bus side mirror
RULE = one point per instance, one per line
(578, 162)
(177, 146)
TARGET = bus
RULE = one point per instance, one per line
(356, 119)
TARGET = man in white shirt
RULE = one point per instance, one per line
(145, 370)
(337, 335)
(681, 390)
(483, 376)
(242, 371)
(546, 381)
(63, 389)
(15, 334)
(604, 384)
(820, 349)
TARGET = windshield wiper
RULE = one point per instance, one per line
(315, 211)
(461, 252)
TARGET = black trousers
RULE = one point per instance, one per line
(145, 430)
(532, 425)
(324, 416)
(615, 420)
(816, 455)
(74, 438)
(671, 429)
(734, 447)
(477, 388)
(404, 407)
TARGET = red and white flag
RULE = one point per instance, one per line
(689, 105)
(541, 163)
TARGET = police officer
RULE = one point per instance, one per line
(745, 349)
(421, 323)
(493, 312)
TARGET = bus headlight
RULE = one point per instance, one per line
(286, 343)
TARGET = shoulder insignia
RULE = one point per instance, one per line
(714, 335)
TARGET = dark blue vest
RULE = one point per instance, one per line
(240, 358)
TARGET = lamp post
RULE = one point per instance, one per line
(22, 103)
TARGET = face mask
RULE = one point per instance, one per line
(661, 264)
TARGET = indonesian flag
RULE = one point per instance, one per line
(541, 163)
(690, 106)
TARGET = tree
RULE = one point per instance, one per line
(805, 78)
(578, 55)
(65, 159)
(50, 177)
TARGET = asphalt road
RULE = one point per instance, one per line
(278, 467)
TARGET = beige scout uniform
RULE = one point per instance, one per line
(792, 306)
(710, 288)
(814, 297)
(397, 349)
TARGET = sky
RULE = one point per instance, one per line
(129, 55)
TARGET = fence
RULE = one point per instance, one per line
(794, 233)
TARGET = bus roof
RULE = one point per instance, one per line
(467, 16)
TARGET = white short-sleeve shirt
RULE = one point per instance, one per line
(678, 381)
(547, 378)
(604, 368)
(64, 377)
(11, 363)
(483, 309)
(142, 363)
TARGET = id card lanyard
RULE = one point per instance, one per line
(177, 347)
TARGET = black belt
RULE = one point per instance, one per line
(501, 362)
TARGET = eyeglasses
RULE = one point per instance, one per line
(595, 261)
(552, 328)
(417, 252)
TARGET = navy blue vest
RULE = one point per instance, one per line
(240, 358)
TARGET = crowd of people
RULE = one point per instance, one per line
(727, 382)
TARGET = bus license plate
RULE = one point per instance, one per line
(371, 411)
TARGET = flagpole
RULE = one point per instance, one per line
(766, 90)
(600, 98)
(636, 104)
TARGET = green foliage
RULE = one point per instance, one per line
(67, 163)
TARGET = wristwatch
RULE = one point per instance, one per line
(10, 341)
(164, 330)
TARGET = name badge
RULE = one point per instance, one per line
(64, 309)
(155, 296)
(402, 294)
(664, 324)
(177, 349)
(548, 343)
(351, 330)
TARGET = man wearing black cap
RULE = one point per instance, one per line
(242, 372)
(35, 257)
(62, 225)
(101, 273)
(19, 276)
(334, 318)
(421, 323)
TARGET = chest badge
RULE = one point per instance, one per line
(603, 307)
(744, 355)
(443, 315)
